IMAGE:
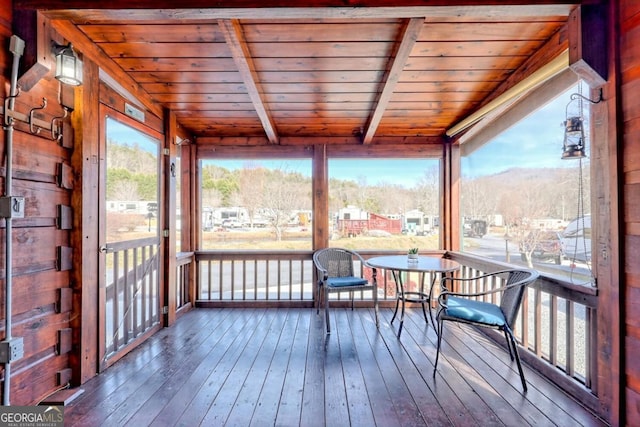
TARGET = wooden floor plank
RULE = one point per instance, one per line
(561, 407)
(101, 387)
(385, 345)
(313, 402)
(464, 406)
(265, 409)
(249, 395)
(335, 396)
(477, 381)
(223, 362)
(381, 401)
(449, 379)
(169, 402)
(416, 377)
(358, 404)
(276, 366)
(290, 403)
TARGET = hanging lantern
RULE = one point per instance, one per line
(573, 147)
(574, 141)
(68, 65)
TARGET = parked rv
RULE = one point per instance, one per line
(576, 240)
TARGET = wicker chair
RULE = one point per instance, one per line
(336, 274)
(468, 308)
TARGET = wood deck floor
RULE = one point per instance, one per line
(263, 367)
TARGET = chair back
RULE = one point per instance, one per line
(336, 262)
(511, 299)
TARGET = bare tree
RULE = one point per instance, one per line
(252, 181)
(123, 190)
(281, 199)
(520, 207)
(427, 194)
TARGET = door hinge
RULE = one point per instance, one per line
(165, 309)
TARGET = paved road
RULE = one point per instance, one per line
(495, 247)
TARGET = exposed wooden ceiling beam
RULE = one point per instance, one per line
(411, 31)
(412, 141)
(90, 50)
(206, 151)
(234, 36)
(118, 10)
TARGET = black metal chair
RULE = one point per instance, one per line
(335, 268)
(468, 308)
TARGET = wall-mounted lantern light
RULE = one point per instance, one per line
(68, 65)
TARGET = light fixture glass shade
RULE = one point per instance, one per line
(68, 66)
(573, 147)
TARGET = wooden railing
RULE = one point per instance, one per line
(132, 292)
(275, 276)
(557, 322)
(254, 276)
(184, 261)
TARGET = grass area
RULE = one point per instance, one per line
(264, 240)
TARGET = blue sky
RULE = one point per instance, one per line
(532, 143)
(126, 135)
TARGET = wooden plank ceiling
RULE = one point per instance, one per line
(278, 77)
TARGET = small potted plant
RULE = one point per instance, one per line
(413, 254)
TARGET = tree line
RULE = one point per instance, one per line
(514, 194)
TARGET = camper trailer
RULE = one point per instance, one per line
(576, 240)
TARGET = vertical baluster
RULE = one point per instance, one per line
(244, 280)
(279, 278)
(126, 300)
(267, 281)
(570, 338)
(111, 297)
(538, 323)
(116, 301)
(255, 278)
(553, 331)
(591, 328)
(524, 320)
(136, 324)
(138, 273)
(220, 264)
(302, 271)
(179, 286)
(148, 287)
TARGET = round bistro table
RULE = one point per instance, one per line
(399, 264)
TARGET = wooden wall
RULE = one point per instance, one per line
(42, 294)
(630, 162)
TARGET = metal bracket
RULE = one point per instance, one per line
(11, 207)
(11, 350)
(31, 122)
(55, 134)
(35, 124)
